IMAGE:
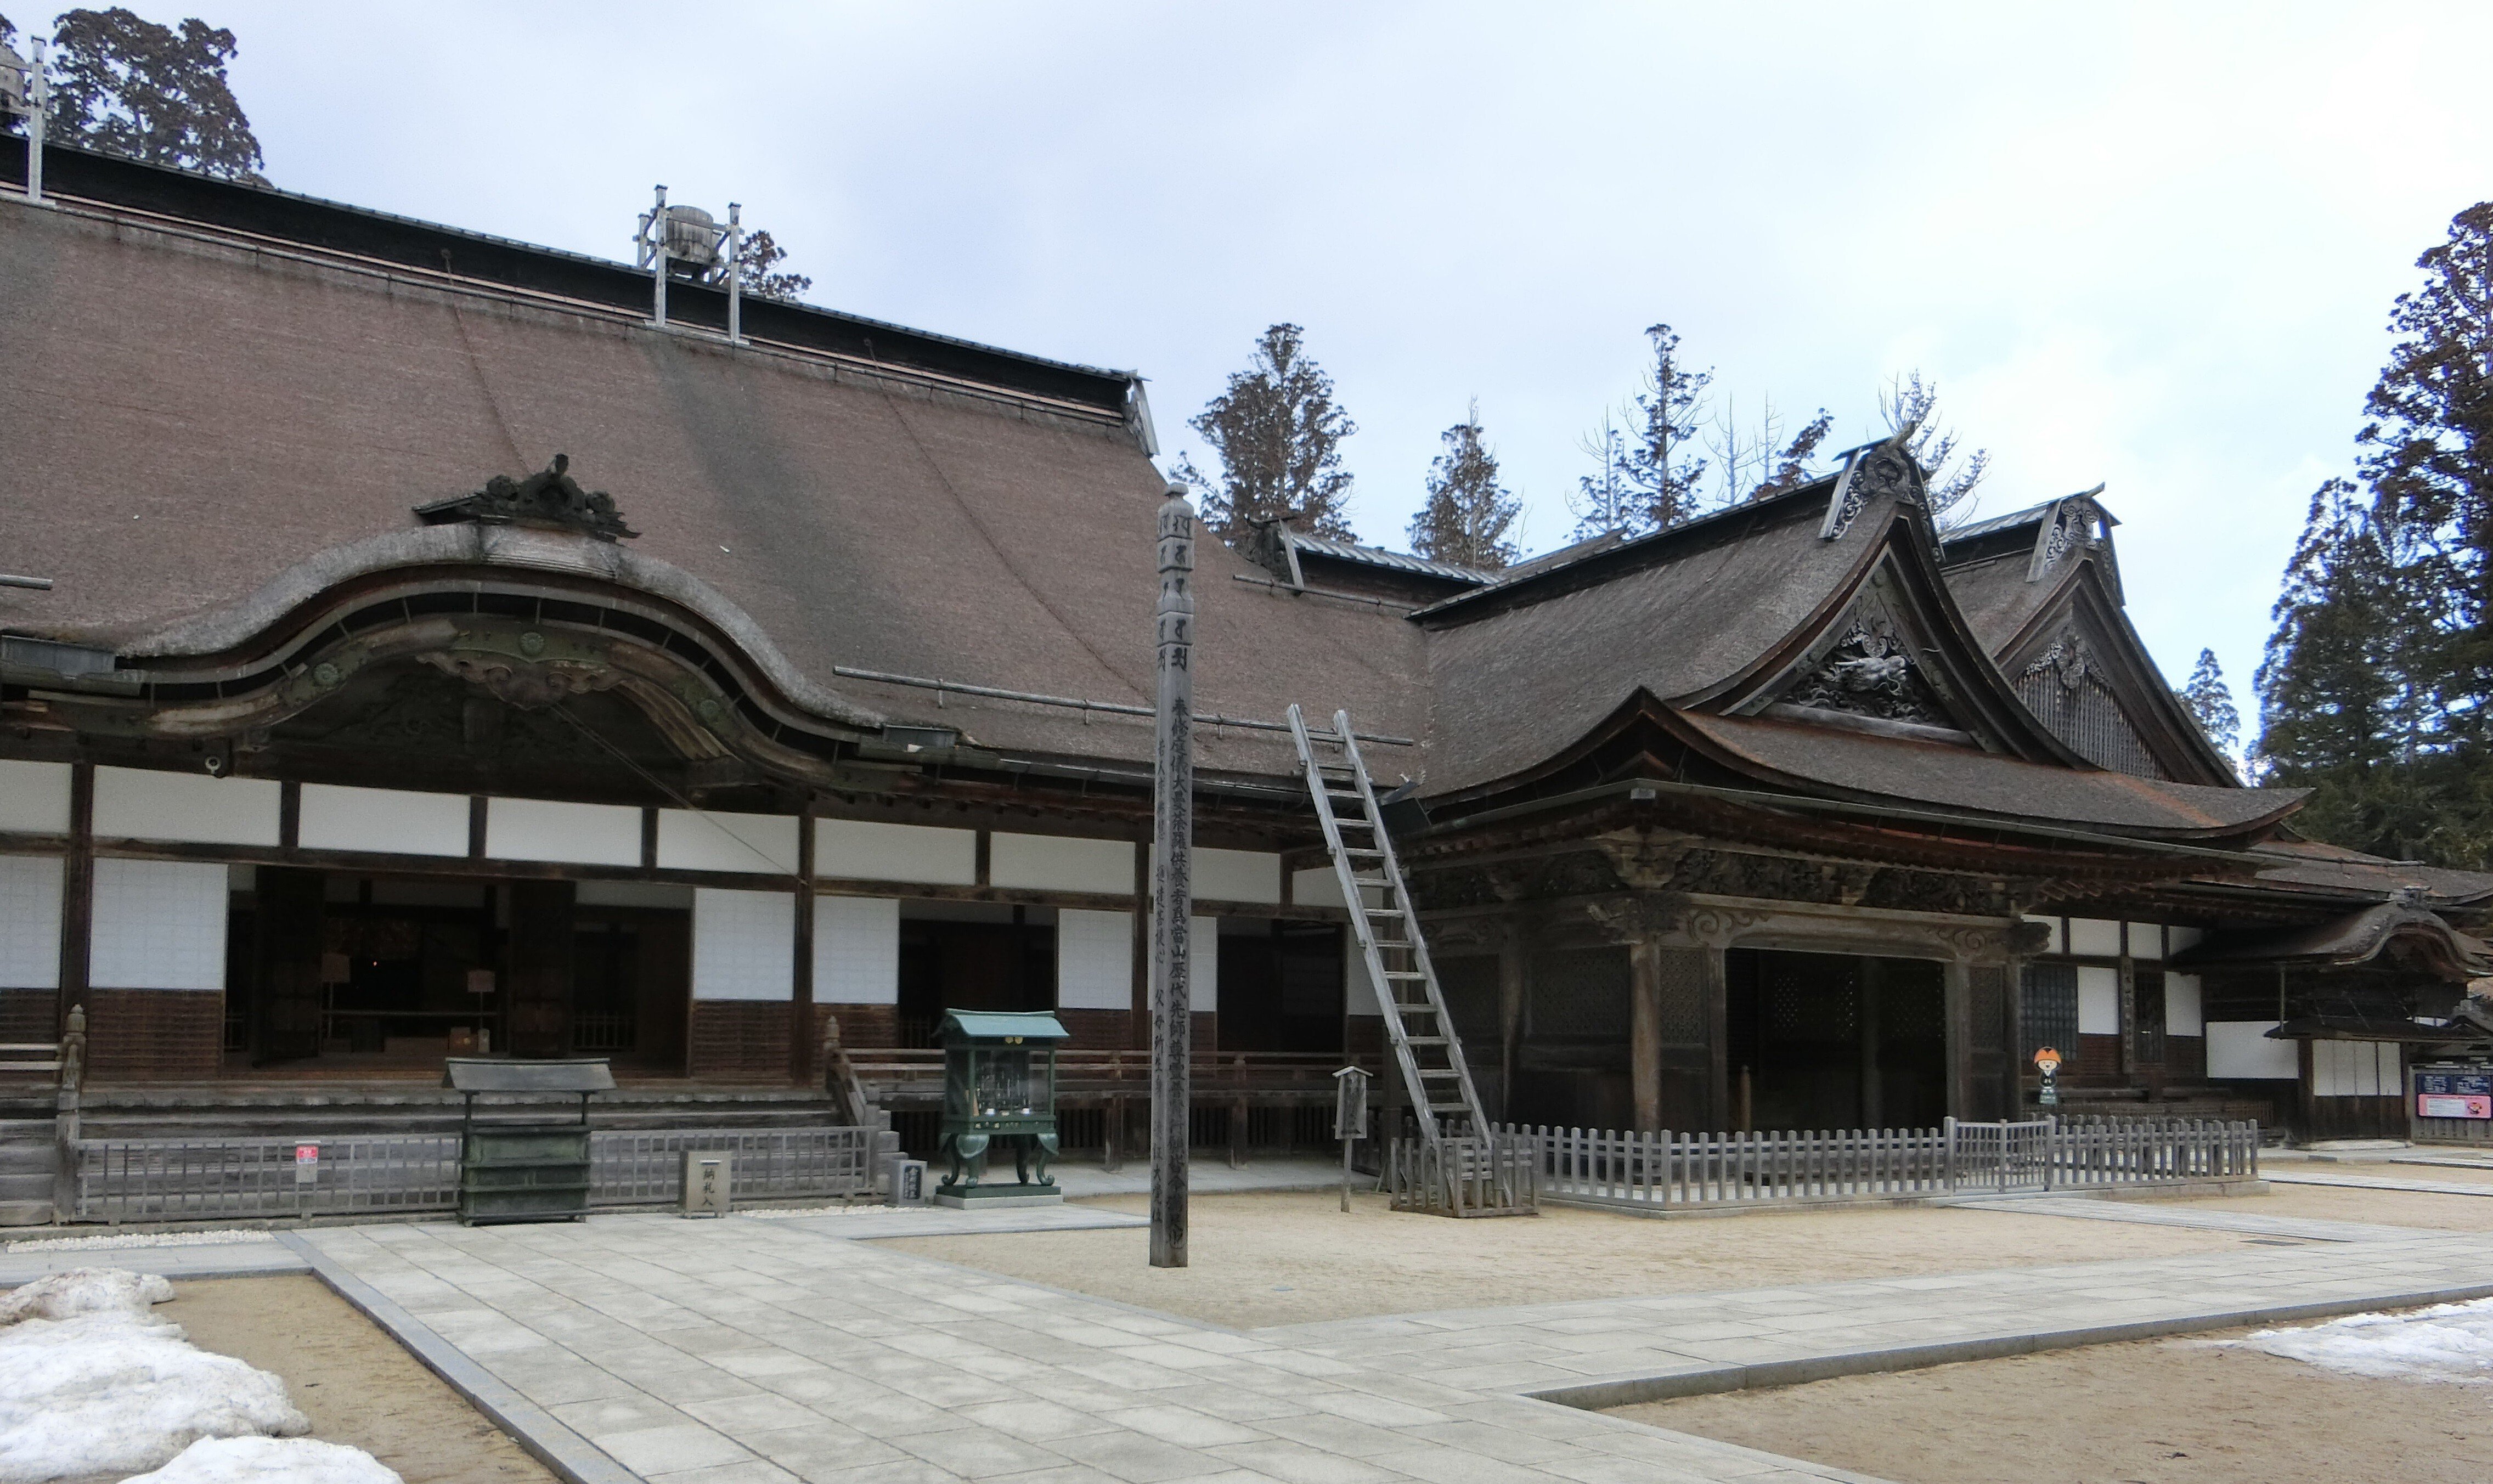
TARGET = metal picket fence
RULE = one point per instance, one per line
(156, 1180)
(1666, 1170)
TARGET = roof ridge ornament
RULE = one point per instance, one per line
(1880, 471)
(2076, 521)
(550, 498)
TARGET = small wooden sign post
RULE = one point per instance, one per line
(1349, 1118)
(1172, 882)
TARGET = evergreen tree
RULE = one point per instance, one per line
(2209, 701)
(1277, 432)
(1603, 502)
(128, 87)
(1468, 513)
(2376, 687)
(1648, 476)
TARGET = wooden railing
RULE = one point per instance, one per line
(887, 1074)
(1661, 1169)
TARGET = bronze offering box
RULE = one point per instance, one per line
(999, 1087)
(535, 1170)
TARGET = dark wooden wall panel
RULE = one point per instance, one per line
(153, 1035)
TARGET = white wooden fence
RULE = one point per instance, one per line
(1463, 1176)
(1659, 1169)
(165, 1179)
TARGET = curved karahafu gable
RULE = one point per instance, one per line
(1823, 606)
(2042, 588)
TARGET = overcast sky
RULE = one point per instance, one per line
(2146, 251)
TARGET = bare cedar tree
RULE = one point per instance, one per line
(759, 263)
(1468, 514)
(1648, 475)
(1910, 402)
(1277, 432)
(129, 86)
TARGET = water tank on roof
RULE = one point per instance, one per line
(692, 236)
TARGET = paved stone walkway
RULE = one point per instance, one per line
(2383, 1183)
(2228, 1217)
(760, 1351)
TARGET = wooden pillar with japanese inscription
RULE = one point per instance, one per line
(1172, 883)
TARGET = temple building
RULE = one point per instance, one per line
(426, 648)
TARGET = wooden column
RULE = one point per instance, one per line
(1172, 884)
(802, 1041)
(1718, 1037)
(77, 894)
(1957, 1004)
(536, 991)
(1511, 969)
(1644, 1030)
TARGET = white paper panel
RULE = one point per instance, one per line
(1095, 960)
(545, 829)
(34, 797)
(30, 922)
(1055, 862)
(2176, 939)
(726, 842)
(745, 945)
(1237, 876)
(860, 850)
(2094, 936)
(2356, 1069)
(2182, 1015)
(139, 803)
(2051, 943)
(158, 924)
(2241, 1049)
(396, 820)
(856, 950)
(2146, 940)
(2098, 1001)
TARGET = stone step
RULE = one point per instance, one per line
(25, 1213)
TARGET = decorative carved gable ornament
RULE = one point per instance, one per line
(2068, 661)
(549, 498)
(1871, 672)
(2075, 524)
(1878, 471)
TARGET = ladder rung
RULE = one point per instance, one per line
(1370, 855)
(1448, 1108)
(1424, 1041)
(1439, 1072)
(1404, 974)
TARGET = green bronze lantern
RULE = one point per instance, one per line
(999, 1088)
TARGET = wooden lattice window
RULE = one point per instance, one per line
(2048, 1011)
(1581, 994)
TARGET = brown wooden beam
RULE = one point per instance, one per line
(800, 1012)
(78, 891)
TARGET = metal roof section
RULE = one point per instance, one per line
(1379, 556)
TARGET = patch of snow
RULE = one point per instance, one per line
(784, 1213)
(2445, 1342)
(138, 1239)
(271, 1461)
(93, 1383)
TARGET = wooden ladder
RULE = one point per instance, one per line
(1422, 1034)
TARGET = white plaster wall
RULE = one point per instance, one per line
(865, 851)
(1055, 862)
(2146, 940)
(2098, 1001)
(2178, 939)
(34, 797)
(335, 817)
(745, 945)
(856, 950)
(2182, 1015)
(710, 841)
(1203, 964)
(140, 803)
(1316, 887)
(2241, 1048)
(1095, 960)
(547, 829)
(1237, 876)
(2094, 936)
(158, 924)
(30, 922)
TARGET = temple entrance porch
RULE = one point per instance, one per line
(1835, 1041)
